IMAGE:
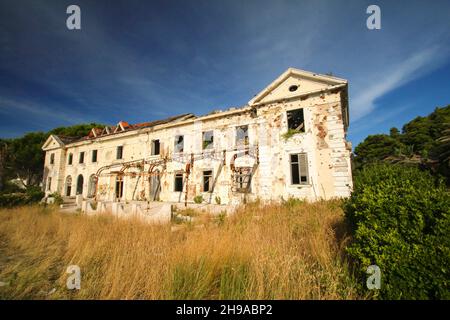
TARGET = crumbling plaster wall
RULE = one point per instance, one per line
(323, 141)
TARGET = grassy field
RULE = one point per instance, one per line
(290, 251)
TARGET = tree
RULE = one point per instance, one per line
(23, 157)
(3, 149)
(376, 148)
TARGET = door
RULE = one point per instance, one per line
(155, 186)
(80, 182)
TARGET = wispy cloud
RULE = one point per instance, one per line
(39, 114)
(392, 77)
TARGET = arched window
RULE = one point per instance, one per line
(68, 186)
(92, 186)
(80, 182)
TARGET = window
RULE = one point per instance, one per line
(119, 187)
(178, 185)
(81, 160)
(155, 147)
(179, 144)
(242, 136)
(92, 186)
(94, 155)
(242, 179)
(208, 140)
(293, 88)
(52, 158)
(68, 186)
(70, 160)
(49, 183)
(296, 120)
(207, 181)
(299, 168)
(119, 153)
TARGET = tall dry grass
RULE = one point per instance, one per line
(290, 251)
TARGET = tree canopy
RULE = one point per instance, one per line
(424, 138)
(23, 157)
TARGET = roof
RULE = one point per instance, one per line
(327, 79)
(328, 82)
(122, 126)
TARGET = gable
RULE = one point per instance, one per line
(52, 142)
(295, 82)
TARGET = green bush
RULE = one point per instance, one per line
(30, 196)
(400, 220)
(198, 199)
(58, 198)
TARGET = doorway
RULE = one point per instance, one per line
(80, 182)
(155, 185)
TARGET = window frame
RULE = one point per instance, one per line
(121, 152)
(210, 145)
(240, 175)
(153, 148)
(175, 144)
(81, 157)
(210, 182)
(95, 151)
(242, 142)
(52, 158)
(299, 155)
(177, 175)
(303, 129)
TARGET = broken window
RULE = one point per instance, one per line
(49, 183)
(94, 155)
(52, 158)
(81, 159)
(242, 136)
(178, 183)
(119, 153)
(207, 181)
(179, 144)
(242, 179)
(299, 168)
(296, 120)
(70, 160)
(155, 147)
(208, 140)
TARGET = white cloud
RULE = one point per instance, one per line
(392, 77)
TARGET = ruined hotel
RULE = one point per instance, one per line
(288, 141)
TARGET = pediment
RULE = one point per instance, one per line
(52, 142)
(294, 82)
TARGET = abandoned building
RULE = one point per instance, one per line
(288, 141)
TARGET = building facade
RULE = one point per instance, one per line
(288, 141)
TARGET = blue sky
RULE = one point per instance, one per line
(143, 60)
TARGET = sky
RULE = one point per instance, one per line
(139, 61)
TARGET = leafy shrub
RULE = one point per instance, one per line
(289, 134)
(198, 199)
(10, 200)
(58, 199)
(400, 220)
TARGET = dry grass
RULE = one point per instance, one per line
(290, 251)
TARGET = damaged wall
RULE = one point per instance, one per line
(267, 152)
